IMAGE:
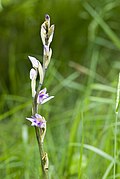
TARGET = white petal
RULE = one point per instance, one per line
(50, 33)
(38, 115)
(43, 90)
(40, 69)
(33, 124)
(33, 74)
(43, 125)
(47, 99)
(46, 50)
(30, 119)
(43, 33)
(47, 61)
(50, 53)
(33, 87)
(34, 61)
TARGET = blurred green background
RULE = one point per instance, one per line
(81, 140)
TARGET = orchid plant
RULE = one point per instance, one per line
(40, 96)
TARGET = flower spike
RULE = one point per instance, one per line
(39, 96)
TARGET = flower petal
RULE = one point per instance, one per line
(50, 33)
(46, 50)
(38, 116)
(34, 61)
(33, 74)
(33, 86)
(43, 33)
(47, 99)
(30, 119)
(47, 60)
(33, 124)
(43, 91)
(40, 69)
(43, 125)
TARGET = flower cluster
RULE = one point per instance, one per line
(41, 96)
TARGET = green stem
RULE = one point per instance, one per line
(41, 151)
(115, 146)
(38, 136)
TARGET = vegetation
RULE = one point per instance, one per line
(83, 133)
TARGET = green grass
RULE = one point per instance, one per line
(83, 138)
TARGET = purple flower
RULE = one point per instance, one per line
(43, 97)
(37, 120)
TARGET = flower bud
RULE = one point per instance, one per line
(47, 31)
(43, 33)
(34, 61)
(40, 70)
(47, 58)
(50, 34)
(33, 76)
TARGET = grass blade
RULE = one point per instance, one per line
(95, 150)
(103, 25)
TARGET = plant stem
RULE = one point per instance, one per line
(42, 153)
(115, 146)
(115, 129)
(38, 136)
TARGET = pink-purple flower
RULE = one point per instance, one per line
(43, 96)
(37, 120)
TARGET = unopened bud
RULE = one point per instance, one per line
(40, 70)
(33, 74)
(34, 61)
(48, 58)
